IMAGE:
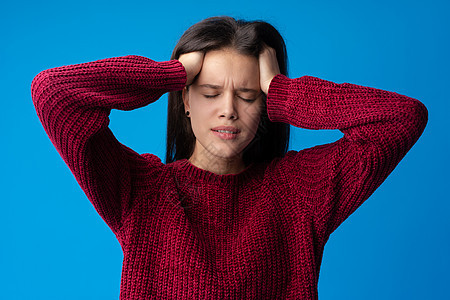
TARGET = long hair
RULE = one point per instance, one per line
(248, 38)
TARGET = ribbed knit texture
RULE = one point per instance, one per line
(187, 233)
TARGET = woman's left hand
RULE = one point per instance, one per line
(268, 67)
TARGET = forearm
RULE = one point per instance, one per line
(313, 103)
(115, 83)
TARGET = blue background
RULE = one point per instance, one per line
(55, 246)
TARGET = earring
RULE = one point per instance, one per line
(187, 113)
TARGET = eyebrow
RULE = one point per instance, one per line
(217, 87)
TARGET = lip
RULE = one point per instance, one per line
(225, 135)
(227, 128)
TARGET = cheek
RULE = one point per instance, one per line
(199, 105)
(253, 117)
(201, 111)
(199, 115)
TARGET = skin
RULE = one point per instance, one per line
(226, 92)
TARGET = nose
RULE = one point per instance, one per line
(228, 107)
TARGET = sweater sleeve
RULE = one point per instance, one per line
(379, 128)
(73, 104)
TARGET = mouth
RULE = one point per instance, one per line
(226, 134)
(226, 129)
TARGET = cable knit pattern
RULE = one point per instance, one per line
(187, 233)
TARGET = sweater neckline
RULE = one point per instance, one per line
(186, 166)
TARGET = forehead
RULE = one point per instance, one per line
(226, 66)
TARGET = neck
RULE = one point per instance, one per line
(219, 166)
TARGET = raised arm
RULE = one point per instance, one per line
(379, 128)
(73, 103)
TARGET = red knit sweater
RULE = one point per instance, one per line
(187, 233)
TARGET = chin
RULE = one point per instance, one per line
(230, 156)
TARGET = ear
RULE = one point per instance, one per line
(185, 96)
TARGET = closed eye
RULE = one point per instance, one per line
(250, 100)
(240, 97)
(247, 99)
(211, 96)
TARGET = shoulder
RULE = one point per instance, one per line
(148, 170)
(306, 158)
(306, 166)
(153, 164)
(152, 159)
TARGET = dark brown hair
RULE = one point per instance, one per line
(248, 38)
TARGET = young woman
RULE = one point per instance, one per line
(231, 214)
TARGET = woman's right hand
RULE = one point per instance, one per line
(192, 63)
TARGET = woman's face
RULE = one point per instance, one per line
(225, 105)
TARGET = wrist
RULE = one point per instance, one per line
(266, 85)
